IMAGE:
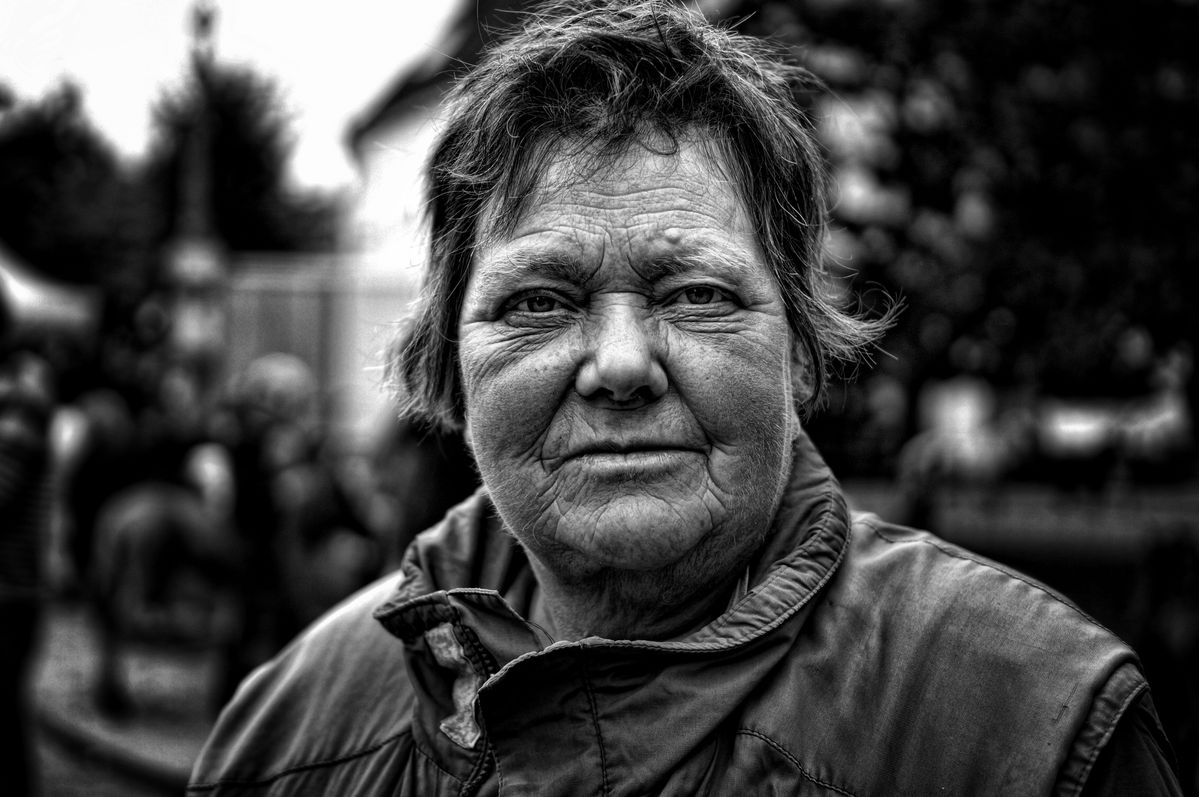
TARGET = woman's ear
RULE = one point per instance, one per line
(466, 437)
(802, 388)
(803, 376)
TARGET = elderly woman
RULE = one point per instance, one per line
(659, 589)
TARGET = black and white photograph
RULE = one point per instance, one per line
(599, 397)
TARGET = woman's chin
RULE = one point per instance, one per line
(633, 537)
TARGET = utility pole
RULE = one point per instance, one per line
(195, 263)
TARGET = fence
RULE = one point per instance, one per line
(327, 310)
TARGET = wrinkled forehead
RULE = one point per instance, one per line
(550, 168)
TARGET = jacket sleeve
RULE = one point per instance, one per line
(1136, 759)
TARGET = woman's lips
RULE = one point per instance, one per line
(624, 462)
(628, 446)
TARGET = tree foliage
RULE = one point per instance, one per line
(67, 206)
(74, 211)
(246, 135)
(1022, 174)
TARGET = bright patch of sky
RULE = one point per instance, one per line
(330, 59)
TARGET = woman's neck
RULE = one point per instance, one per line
(626, 604)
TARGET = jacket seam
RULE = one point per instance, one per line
(795, 762)
(269, 779)
(483, 662)
(1093, 754)
(599, 738)
(479, 771)
(425, 754)
(959, 554)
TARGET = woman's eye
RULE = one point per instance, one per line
(700, 294)
(538, 304)
(535, 303)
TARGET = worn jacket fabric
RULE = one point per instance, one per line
(858, 658)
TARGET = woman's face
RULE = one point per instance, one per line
(627, 370)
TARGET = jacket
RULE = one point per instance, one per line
(858, 658)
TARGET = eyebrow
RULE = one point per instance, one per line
(559, 267)
(519, 265)
(699, 259)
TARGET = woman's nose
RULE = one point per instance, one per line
(623, 360)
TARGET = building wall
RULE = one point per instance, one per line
(316, 308)
(385, 246)
(283, 303)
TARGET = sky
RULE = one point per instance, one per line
(330, 59)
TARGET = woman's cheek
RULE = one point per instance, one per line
(511, 395)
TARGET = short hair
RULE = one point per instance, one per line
(605, 75)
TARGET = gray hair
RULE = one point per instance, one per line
(602, 77)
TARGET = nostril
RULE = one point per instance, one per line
(637, 398)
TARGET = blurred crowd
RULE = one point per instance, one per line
(962, 426)
(184, 510)
(237, 517)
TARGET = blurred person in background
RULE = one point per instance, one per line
(330, 540)
(26, 405)
(162, 556)
(265, 428)
(302, 525)
(660, 589)
(417, 472)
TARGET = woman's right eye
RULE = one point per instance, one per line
(537, 303)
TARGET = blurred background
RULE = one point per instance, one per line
(210, 223)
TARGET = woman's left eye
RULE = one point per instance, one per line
(699, 294)
(531, 304)
(538, 303)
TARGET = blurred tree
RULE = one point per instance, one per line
(66, 202)
(253, 207)
(1022, 174)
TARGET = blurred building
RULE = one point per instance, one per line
(384, 235)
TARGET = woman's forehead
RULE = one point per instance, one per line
(543, 168)
(643, 202)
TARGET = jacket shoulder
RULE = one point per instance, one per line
(943, 589)
(946, 650)
(333, 699)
